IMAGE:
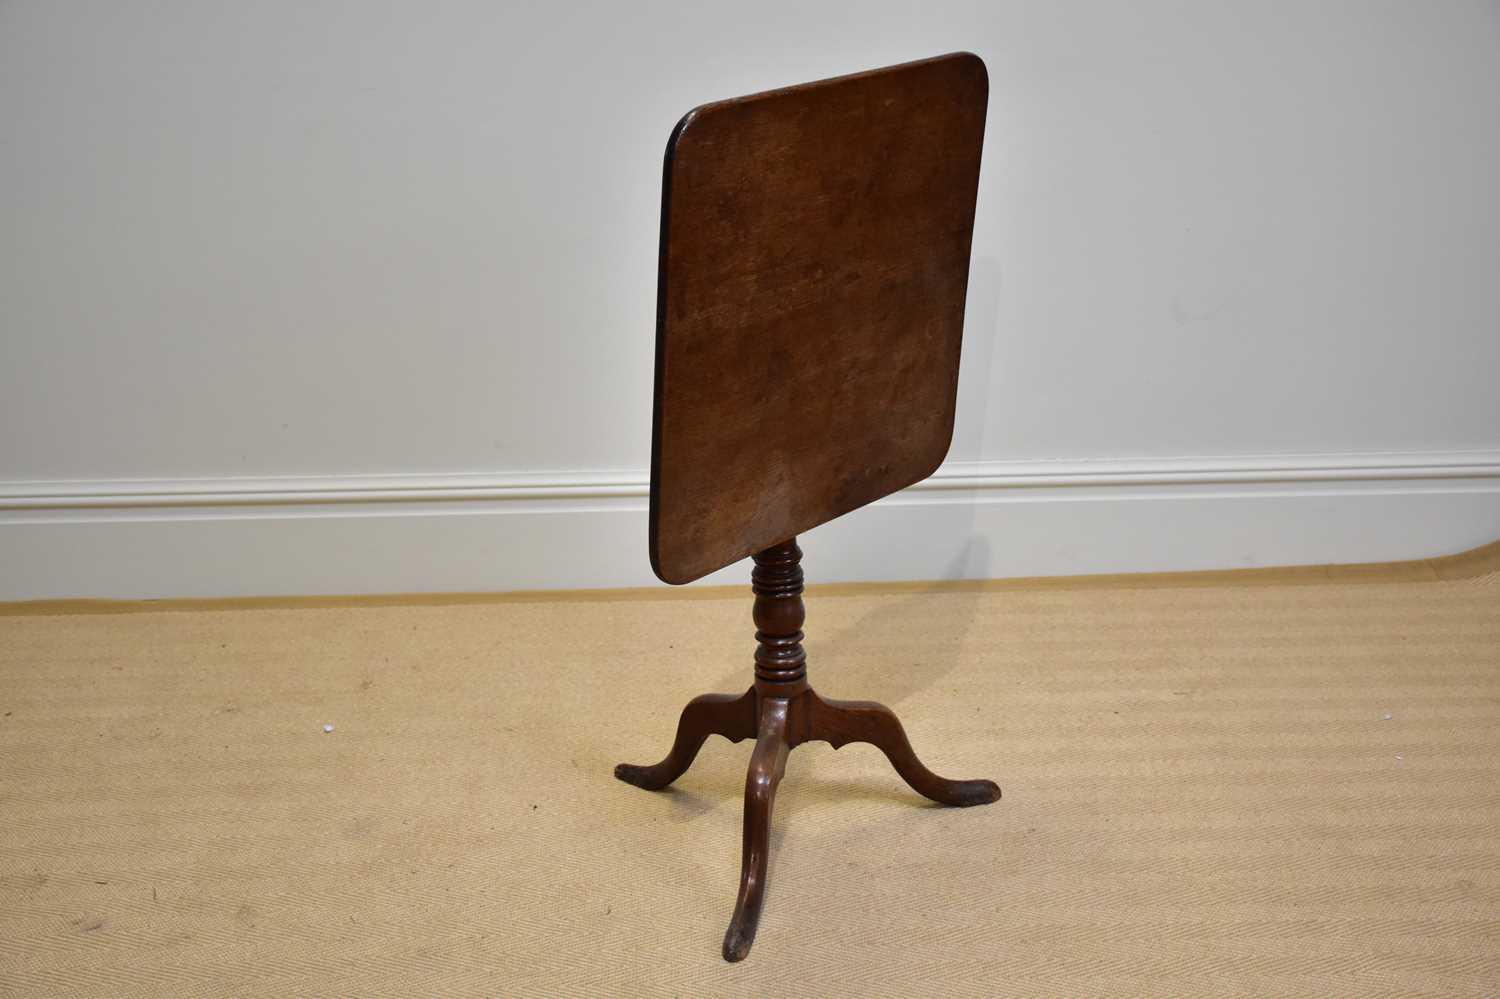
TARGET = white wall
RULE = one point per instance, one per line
(360, 297)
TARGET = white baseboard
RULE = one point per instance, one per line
(479, 532)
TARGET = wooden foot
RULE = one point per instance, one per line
(839, 723)
(767, 764)
(729, 715)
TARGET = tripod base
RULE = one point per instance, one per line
(781, 717)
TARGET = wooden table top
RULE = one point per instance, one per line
(814, 263)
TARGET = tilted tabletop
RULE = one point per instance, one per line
(814, 263)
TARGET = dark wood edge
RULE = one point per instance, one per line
(659, 367)
(961, 54)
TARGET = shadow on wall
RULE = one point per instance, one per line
(906, 642)
(977, 378)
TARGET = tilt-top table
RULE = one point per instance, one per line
(814, 262)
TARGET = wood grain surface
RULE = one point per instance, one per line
(814, 262)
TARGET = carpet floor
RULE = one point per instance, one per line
(1265, 783)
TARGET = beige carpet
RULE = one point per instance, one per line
(1222, 784)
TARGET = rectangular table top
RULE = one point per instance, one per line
(814, 263)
